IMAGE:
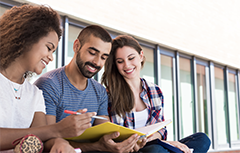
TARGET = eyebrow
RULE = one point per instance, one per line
(95, 49)
(52, 44)
(127, 56)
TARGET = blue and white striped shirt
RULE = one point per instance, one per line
(60, 95)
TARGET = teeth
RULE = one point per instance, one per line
(91, 68)
(44, 62)
(129, 71)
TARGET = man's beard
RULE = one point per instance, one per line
(83, 70)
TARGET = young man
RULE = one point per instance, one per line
(71, 88)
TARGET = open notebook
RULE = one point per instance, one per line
(96, 132)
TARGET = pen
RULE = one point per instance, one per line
(77, 113)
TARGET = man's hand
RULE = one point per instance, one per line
(75, 125)
(106, 143)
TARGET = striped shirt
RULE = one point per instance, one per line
(153, 99)
(60, 95)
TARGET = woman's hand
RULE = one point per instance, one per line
(140, 144)
(62, 146)
(179, 145)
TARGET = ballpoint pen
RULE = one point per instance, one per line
(77, 113)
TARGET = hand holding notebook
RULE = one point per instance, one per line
(96, 132)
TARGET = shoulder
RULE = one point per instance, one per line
(151, 87)
(96, 84)
(51, 77)
(149, 84)
(98, 88)
(31, 88)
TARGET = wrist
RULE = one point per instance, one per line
(55, 130)
(86, 147)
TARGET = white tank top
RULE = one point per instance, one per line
(140, 118)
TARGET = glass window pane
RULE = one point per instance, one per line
(147, 71)
(167, 89)
(72, 36)
(233, 108)
(202, 99)
(186, 98)
(220, 106)
(3, 9)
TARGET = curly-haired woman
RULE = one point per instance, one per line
(29, 35)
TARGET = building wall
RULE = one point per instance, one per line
(195, 65)
(206, 29)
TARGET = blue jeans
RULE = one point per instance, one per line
(198, 141)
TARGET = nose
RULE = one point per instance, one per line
(126, 64)
(50, 56)
(97, 61)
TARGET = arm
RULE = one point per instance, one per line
(99, 121)
(58, 145)
(179, 145)
(8, 135)
(73, 125)
(106, 143)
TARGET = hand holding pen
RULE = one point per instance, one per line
(75, 125)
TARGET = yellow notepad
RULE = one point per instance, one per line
(96, 132)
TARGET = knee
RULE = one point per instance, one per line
(204, 138)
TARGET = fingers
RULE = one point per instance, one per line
(111, 136)
(124, 146)
(140, 144)
(184, 148)
(128, 144)
(82, 110)
(74, 125)
(180, 145)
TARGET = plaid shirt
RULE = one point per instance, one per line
(153, 99)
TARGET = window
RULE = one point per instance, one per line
(72, 36)
(167, 89)
(233, 107)
(3, 9)
(186, 97)
(220, 107)
(202, 99)
(147, 71)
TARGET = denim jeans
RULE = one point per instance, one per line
(198, 141)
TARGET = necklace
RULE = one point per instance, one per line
(17, 94)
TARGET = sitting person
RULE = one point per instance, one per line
(72, 87)
(135, 102)
(29, 35)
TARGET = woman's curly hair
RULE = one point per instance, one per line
(21, 27)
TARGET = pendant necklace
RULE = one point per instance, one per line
(16, 91)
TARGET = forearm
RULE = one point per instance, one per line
(85, 147)
(156, 135)
(48, 144)
(8, 135)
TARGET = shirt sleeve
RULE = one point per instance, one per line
(103, 106)
(163, 131)
(40, 102)
(49, 93)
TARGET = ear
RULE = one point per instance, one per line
(76, 45)
(141, 56)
